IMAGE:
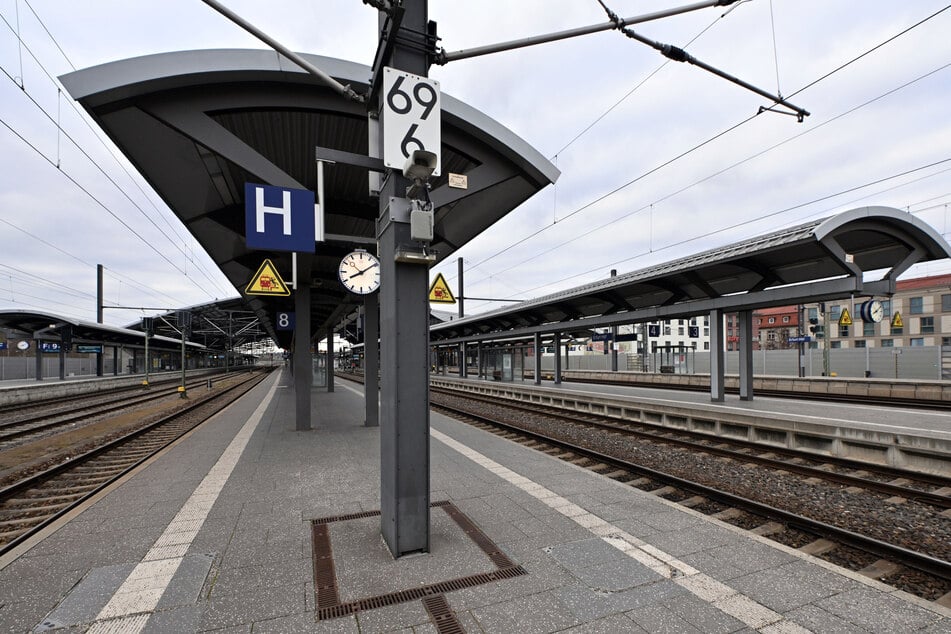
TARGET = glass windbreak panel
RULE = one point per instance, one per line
(320, 370)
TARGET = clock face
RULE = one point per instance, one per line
(876, 311)
(359, 272)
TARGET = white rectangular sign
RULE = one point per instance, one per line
(410, 117)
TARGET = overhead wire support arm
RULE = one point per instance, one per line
(678, 54)
(442, 57)
(345, 91)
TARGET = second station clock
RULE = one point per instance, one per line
(359, 272)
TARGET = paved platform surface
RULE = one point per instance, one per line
(216, 535)
(912, 419)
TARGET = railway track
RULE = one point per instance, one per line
(927, 488)
(887, 401)
(36, 501)
(12, 411)
(893, 560)
(43, 420)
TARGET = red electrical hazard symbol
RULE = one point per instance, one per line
(439, 292)
(267, 281)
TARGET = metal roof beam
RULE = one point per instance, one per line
(783, 296)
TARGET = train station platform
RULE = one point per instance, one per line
(217, 533)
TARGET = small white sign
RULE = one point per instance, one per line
(410, 117)
(458, 181)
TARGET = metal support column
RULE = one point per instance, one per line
(613, 342)
(460, 298)
(557, 348)
(746, 355)
(38, 374)
(463, 371)
(62, 362)
(479, 360)
(371, 358)
(717, 358)
(116, 352)
(303, 363)
(99, 355)
(404, 332)
(538, 358)
(330, 359)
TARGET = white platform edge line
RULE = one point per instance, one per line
(131, 598)
(657, 560)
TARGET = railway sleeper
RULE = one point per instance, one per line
(71, 491)
(880, 569)
(818, 547)
(20, 524)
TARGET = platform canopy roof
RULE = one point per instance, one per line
(816, 261)
(49, 327)
(200, 124)
(219, 325)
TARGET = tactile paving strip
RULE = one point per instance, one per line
(325, 576)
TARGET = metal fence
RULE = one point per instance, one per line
(18, 368)
(917, 362)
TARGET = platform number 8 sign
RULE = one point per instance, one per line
(410, 117)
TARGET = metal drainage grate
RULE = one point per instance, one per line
(325, 576)
(442, 615)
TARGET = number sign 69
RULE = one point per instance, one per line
(410, 117)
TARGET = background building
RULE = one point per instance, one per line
(919, 314)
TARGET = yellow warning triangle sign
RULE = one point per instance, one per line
(267, 281)
(897, 322)
(845, 319)
(439, 291)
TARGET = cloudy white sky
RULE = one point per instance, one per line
(611, 113)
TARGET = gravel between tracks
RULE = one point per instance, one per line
(907, 523)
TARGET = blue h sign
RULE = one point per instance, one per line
(278, 218)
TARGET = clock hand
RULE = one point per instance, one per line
(359, 273)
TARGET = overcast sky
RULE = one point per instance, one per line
(879, 134)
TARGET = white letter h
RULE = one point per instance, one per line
(261, 209)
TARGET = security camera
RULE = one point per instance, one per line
(420, 165)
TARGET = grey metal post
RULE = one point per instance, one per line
(62, 361)
(826, 338)
(557, 348)
(99, 355)
(183, 390)
(717, 359)
(330, 359)
(371, 358)
(479, 360)
(404, 336)
(303, 364)
(463, 373)
(39, 360)
(538, 358)
(460, 298)
(746, 355)
(613, 343)
(116, 351)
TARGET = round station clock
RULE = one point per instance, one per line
(873, 311)
(359, 272)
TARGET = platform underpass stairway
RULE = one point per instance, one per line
(946, 362)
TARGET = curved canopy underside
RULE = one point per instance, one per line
(200, 124)
(815, 261)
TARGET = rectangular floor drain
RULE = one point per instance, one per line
(327, 592)
(442, 615)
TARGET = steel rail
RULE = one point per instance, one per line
(605, 422)
(37, 479)
(905, 556)
(104, 407)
